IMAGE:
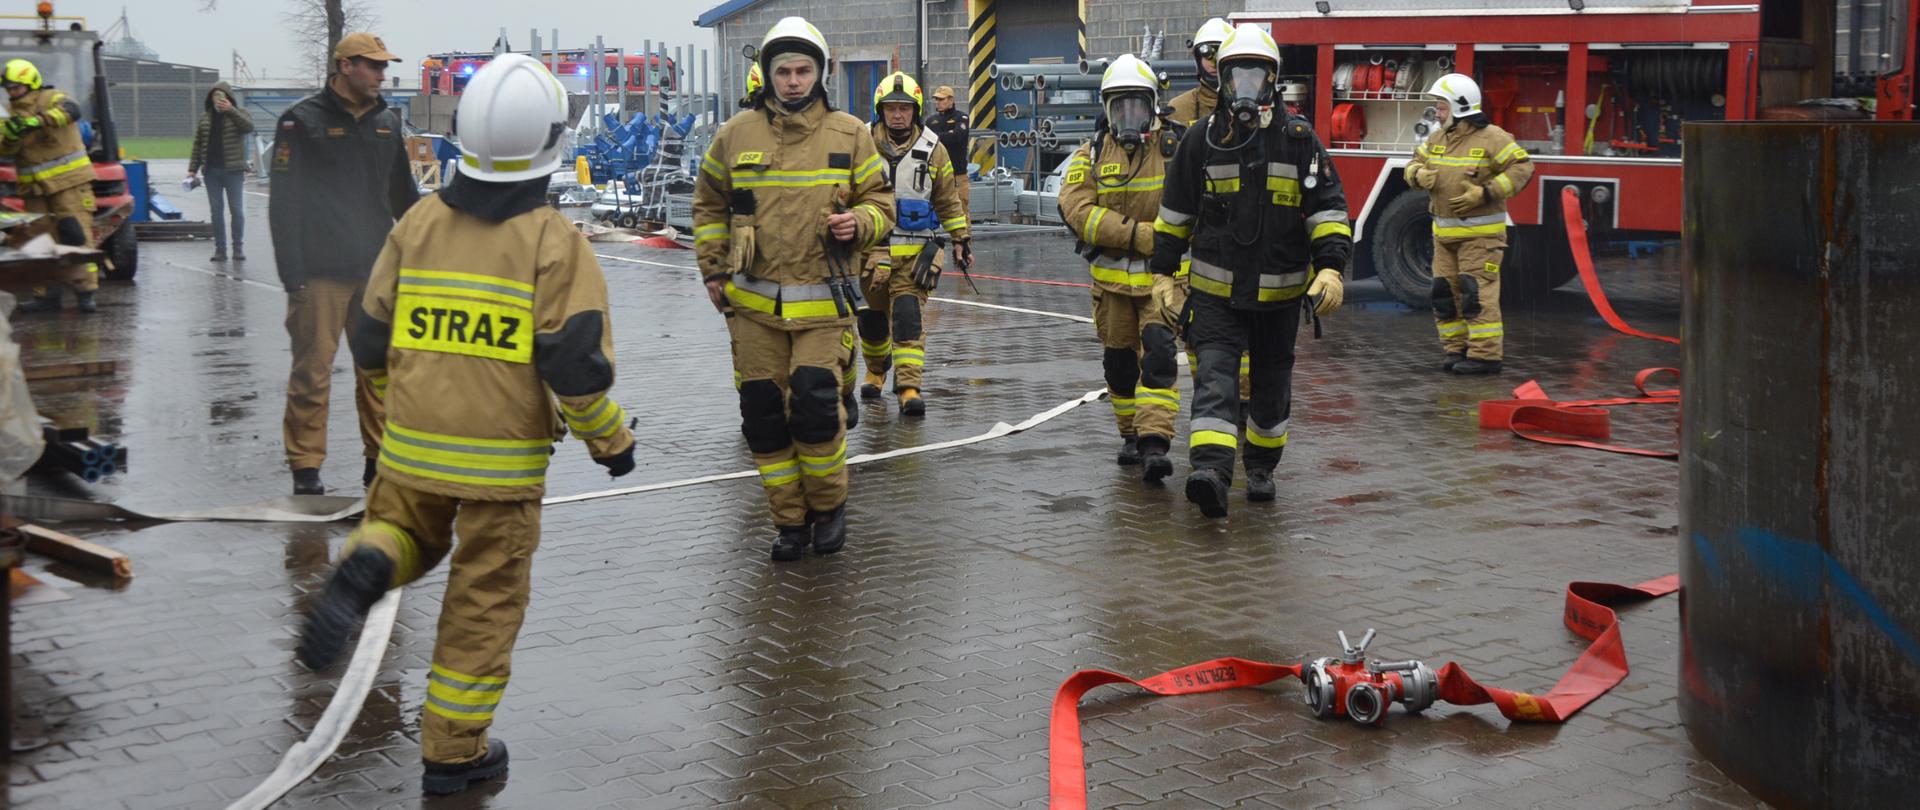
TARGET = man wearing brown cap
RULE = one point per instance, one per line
(948, 122)
(340, 179)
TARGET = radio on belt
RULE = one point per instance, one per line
(1355, 687)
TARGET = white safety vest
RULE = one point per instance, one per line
(912, 178)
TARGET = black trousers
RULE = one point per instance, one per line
(1218, 334)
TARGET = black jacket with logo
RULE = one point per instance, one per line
(1269, 214)
(338, 185)
(951, 126)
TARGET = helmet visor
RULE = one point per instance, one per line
(1129, 113)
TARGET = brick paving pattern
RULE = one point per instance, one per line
(666, 662)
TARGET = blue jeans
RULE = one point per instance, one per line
(226, 191)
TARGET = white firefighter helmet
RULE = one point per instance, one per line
(1128, 72)
(790, 32)
(1206, 42)
(1249, 41)
(510, 120)
(1461, 93)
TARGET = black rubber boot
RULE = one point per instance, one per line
(357, 583)
(1260, 485)
(219, 255)
(912, 403)
(829, 530)
(84, 302)
(871, 388)
(41, 303)
(1475, 366)
(853, 410)
(238, 254)
(307, 482)
(1207, 489)
(366, 475)
(791, 544)
(1453, 359)
(1153, 458)
(441, 778)
(1129, 451)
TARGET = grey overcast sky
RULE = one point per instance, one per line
(180, 32)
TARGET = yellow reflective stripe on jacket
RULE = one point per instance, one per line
(1134, 274)
(1505, 183)
(601, 418)
(712, 231)
(780, 473)
(465, 460)
(788, 178)
(867, 169)
(876, 224)
(908, 250)
(1158, 181)
(459, 696)
(793, 302)
(1226, 185)
(1286, 190)
(1173, 223)
(1512, 151)
(466, 285)
(823, 466)
(1441, 160)
(955, 224)
(1495, 229)
(53, 168)
(1092, 229)
(1331, 229)
(712, 167)
(1210, 279)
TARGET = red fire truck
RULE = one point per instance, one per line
(1641, 69)
(447, 74)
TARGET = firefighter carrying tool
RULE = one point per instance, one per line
(42, 134)
(484, 307)
(1470, 169)
(764, 215)
(899, 276)
(1110, 196)
(1257, 198)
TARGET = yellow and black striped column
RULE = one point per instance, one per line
(1083, 28)
(982, 42)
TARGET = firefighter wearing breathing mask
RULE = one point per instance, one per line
(898, 276)
(789, 196)
(1110, 195)
(1198, 103)
(1255, 196)
(1470, 168)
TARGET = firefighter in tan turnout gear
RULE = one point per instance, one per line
(42, 135)
(1470, 168)
(1198, 103)
(484, 308)
(898, 277)
(1109, 198)
(790, 195)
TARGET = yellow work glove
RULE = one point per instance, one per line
(1424, 176)
(1143, 238)
(1467, 200)
(1169, 299)
(1329, 291)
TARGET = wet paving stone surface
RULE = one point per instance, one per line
(666, 662)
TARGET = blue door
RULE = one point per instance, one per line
(861, 78)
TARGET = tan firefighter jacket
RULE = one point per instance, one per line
(1462, 155)
(1194, 105)
(472, 329)
(1109, 199)
(761, 202)
(935, 185)
(52, 158)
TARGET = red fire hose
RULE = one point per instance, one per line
(1583, 260)
(1600, 668)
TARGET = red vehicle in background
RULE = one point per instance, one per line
(447, 74)
(1640, 69)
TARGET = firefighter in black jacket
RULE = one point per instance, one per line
(1256, 197)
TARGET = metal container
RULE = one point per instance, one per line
(1800, 670)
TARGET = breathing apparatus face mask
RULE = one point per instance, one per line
(1249, 85)
(1129, 118)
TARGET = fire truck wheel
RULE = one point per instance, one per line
(1402, 242)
